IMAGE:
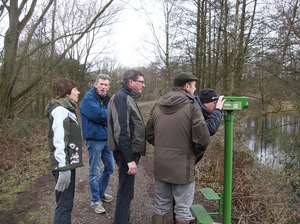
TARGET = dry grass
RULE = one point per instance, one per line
(24, 155)
(259, 193)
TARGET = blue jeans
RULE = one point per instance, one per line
(98, 181)
(64, 201)
(125, 189)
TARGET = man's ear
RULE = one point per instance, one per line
(129, 83)
(185, 87)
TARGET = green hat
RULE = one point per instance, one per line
(183, 78)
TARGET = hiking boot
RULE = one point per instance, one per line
(107, 198)
(97, 207)
(158, 219)
(192, 221)
(181, 221)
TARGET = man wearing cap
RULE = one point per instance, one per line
(178, 131)
(211, 106)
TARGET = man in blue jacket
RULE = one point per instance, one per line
(93, 110)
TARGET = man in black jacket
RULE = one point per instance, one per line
(126, 138)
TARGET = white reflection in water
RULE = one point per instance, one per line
(276, 138)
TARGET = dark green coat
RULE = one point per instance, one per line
(178, 131)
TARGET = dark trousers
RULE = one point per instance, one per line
(64, 201)
(125, 190)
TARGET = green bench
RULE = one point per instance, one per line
(201, 215)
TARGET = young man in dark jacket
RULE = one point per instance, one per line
(93, 110)
(178, 131)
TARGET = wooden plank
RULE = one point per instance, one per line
(209, 194)
(201, 214)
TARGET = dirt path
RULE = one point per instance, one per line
(37, 203)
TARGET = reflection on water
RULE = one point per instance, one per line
(273, 139)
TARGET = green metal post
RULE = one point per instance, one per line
(229, 117)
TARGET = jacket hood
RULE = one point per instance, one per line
(52, 104)
(174, 100)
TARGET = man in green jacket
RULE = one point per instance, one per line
(178, 131)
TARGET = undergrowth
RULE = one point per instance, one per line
(260, 194)
(24, 156)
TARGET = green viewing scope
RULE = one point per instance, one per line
(232, 103)
(235, 102)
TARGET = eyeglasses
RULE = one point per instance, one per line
(142, 82)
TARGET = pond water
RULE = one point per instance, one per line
(275, 140)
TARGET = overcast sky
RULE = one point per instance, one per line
(128, 36)
(130, 31)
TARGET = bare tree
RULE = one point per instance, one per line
(27, 36)
(163, 26)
